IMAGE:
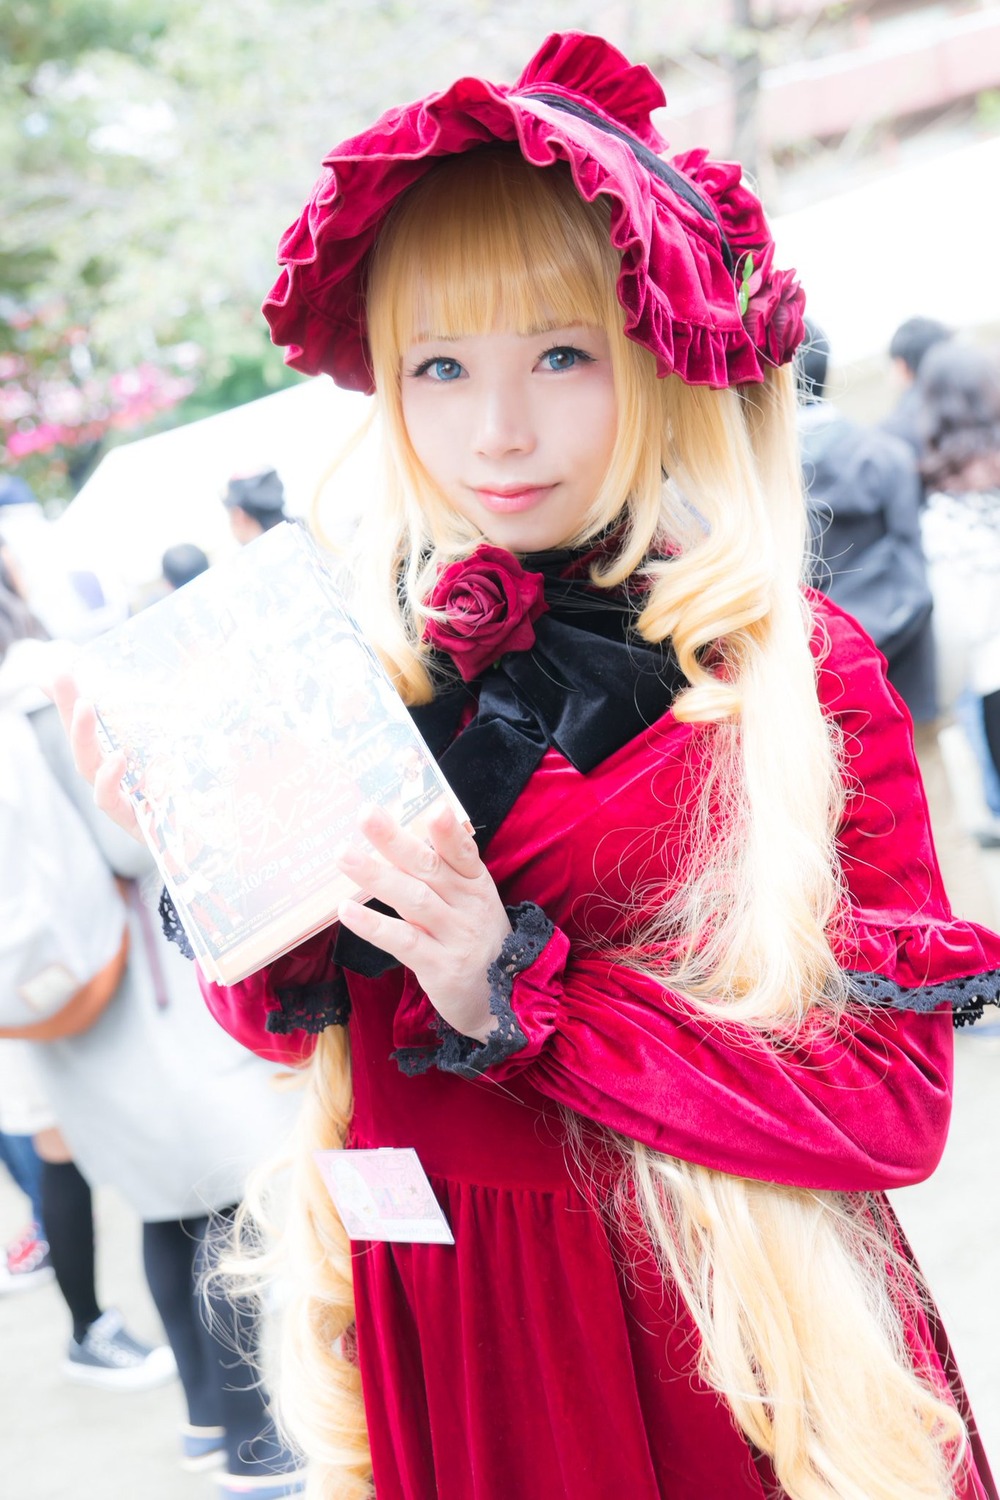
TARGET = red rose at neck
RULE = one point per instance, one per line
(490, 605)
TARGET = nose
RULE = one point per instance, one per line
(504, 421)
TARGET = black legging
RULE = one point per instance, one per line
(67, 1209)
(221, 1388)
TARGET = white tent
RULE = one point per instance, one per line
(917, 241)
(150, 494)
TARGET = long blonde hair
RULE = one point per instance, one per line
(795, 1294)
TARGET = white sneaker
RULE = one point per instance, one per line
(109, 1356)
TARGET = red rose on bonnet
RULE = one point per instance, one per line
(490, 604)
(775, 314)
(774, 307)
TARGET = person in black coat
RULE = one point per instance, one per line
(864, 506)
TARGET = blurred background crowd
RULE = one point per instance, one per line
(153, 153)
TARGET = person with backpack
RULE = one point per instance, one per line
(150, 1096)
(63, 951)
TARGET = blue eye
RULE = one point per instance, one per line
(439, 369)
(564, 357)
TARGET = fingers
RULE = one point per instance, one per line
(451, 847)
(104, 772)
(80, 723)
(110, 795)
(454, 974)
(412, 896)
(401, 939)
(107, 782)
(451, 920)
(83, 739)
(423, 881)
(453, 841)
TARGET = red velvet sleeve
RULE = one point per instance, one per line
(861, 1107)
(899, 927)
(245, 1009)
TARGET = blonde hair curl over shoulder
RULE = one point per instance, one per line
(795, 1294)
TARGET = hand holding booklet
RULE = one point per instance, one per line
(255, 721)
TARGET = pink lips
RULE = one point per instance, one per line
(510, 501)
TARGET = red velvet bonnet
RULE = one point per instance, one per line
(697, 281)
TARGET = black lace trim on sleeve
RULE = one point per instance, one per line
(302, 1007)
(967, 997)
(171, 923)
(464, 1055)
(311, 1007)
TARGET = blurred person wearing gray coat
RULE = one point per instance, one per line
(156, 1101)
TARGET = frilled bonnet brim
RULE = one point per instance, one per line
(692, 238)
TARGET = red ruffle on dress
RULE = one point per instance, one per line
(538, 1357)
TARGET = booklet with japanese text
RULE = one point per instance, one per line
(255, 720)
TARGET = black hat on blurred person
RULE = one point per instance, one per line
(259, 494)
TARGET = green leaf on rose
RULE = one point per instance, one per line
(746, 275)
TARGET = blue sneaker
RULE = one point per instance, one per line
(202, 1448)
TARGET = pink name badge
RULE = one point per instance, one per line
(384, 1195)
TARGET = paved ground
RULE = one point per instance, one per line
(68, 1442)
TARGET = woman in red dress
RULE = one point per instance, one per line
(666, 1029)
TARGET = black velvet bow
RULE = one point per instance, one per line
(586, 688)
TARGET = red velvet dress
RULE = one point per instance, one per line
(536, 1359)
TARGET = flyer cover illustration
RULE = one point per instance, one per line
(255, 719)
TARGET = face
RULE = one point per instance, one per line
(243, 526)
(515, 430)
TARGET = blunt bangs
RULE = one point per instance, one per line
(487, 242)
(511, 246)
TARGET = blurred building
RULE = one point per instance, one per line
(803, 87)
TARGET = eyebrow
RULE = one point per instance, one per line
(537, 330)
